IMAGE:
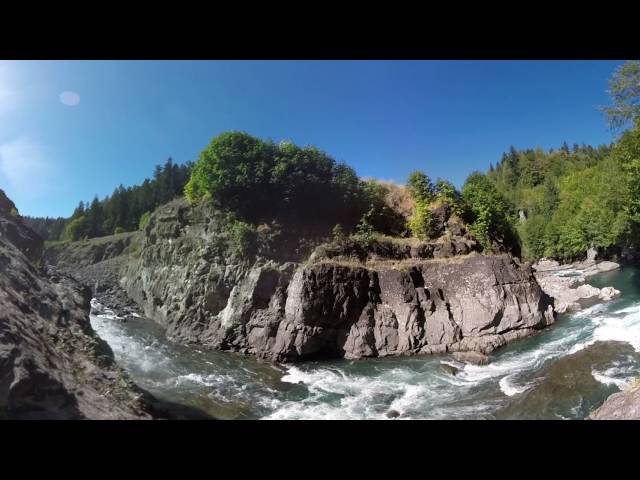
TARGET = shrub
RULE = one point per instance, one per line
(447, 192)
(364, 233)
(144, 220)
(337, 233)
(420, 186)
(75, 229)
(118, 230)
(421, 222)
(243, 238)
(491, 215)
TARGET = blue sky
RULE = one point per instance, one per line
(385, 118)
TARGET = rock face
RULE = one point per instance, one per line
(620, 406)
(415, 299)
(97, 263)
(12, 230)
(52, 365)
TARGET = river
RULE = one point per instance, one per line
(564, 372)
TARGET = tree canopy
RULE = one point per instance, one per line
(121, 211)
(624, 89)
(260, 180)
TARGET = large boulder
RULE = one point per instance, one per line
(623, 405)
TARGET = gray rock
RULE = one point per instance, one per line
(620, 406)
(450, 369)
(522, 216)
(565, 284)
(474, 358)
(52, 365)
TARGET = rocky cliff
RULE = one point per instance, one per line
(389, 297)
(52, 365)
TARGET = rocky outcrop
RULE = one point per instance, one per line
(392, 299)
(566, 283)
(52, 365)
(12, 230)
(623, 405)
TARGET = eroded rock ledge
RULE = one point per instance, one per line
(331, 305)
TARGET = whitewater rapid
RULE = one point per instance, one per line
(430, 387)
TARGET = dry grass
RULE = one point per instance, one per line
(397, 198)
(410, 241)
(382, 264)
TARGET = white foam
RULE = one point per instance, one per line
(336, 395)
(608, 377)
(128, 350)
(621, 329)
(509, 388)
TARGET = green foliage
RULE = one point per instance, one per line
(376, 212)
(492, 217)
(123, 208)
(144, 220)
(233, 164)
(624, 88)
(243, 238)
(533, 236)
(338, 233)
(627, 153)
(421, 221)
(14, 212)
(75, 229)
(364, 233)
(260, 181)
(446, 191)
(51, 229)
(587, 197)
(420, 186)
(119, 230)
(566, 195)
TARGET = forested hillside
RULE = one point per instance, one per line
(124, 210)
(569, 200)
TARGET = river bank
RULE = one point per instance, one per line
(563, 372)
(566, 283)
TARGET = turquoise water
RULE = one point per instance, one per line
(564, 372)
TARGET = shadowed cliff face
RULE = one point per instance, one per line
(332, 305)
(52, 365)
